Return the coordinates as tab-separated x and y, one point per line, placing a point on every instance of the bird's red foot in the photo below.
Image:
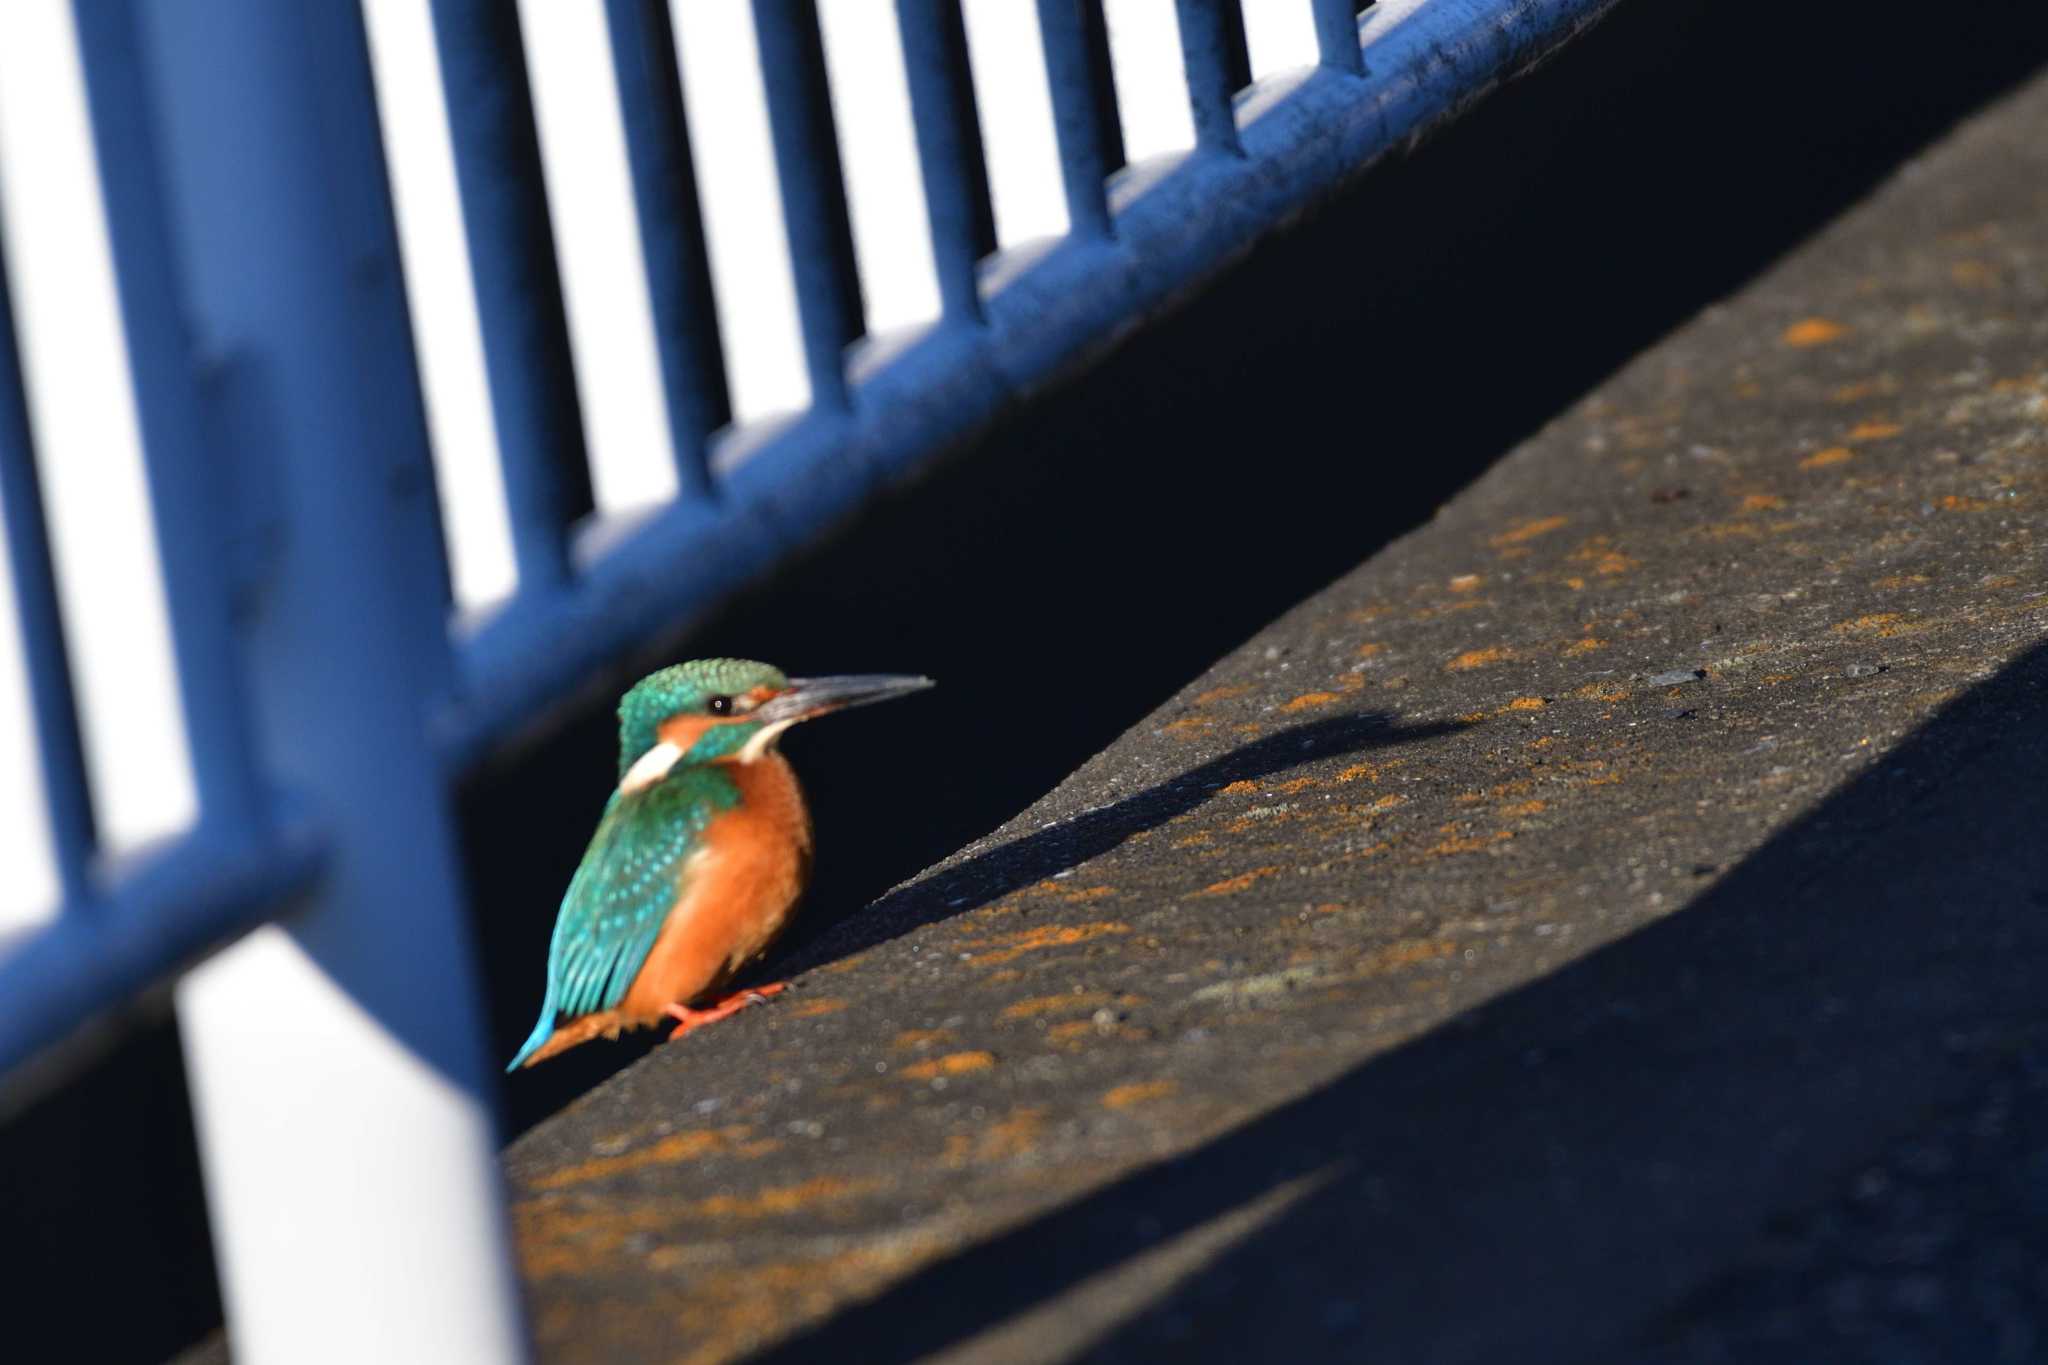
687	1018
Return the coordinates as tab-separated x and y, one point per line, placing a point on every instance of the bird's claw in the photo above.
687	1018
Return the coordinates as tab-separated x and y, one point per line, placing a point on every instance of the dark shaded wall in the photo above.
1082	563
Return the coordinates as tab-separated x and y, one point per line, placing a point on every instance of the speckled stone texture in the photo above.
1507	954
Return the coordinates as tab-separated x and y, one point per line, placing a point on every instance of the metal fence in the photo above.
301	297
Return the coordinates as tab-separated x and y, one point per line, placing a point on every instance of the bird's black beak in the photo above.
809	697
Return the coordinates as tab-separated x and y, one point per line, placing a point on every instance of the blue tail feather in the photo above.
542	1031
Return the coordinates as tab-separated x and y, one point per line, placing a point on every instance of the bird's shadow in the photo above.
960	887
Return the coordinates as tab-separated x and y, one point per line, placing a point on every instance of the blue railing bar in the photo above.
956	196
514	279
813	192
671	233
176	906
1073	302
1211	39
185	469
65	794
1090	142
1337	36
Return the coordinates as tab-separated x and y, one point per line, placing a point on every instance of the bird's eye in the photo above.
719	706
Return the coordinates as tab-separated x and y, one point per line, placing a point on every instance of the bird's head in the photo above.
730	711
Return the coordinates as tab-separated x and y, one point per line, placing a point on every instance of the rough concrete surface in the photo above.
1529	947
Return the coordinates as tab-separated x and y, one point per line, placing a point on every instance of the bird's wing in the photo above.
623	890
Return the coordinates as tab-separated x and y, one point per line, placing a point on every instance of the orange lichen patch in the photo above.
1773	679
1216	694
1033	1006
1308	700
1730	530
1003	1140
1881	624
1874	431
1299	784
1526	808
812	1009
1187	725
1466	582
677	1147
952	1064
1073	1031
845	964
1230	886
1480	658
920	1038
1585	646
1368	651
781	1199
1599	551
1820	459
1812	332
1239	788
1465	844
1527	530
1388	802
1952	503
1526	704
1367	615
1371	772
1864	388
1008	947
1900	580
1472	718
1407	953
2004	580
1602	692
1762	502
1138	1092
1195	840
555	1238
1544	742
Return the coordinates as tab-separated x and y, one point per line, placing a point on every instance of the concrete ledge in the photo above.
1481	958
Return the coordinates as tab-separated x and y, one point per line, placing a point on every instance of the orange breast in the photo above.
737	892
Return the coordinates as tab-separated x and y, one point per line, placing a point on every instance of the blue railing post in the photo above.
813	192
184	474
671	233
1337	36
58	741
1077	69
1211	37
948	150
341	1087
518	292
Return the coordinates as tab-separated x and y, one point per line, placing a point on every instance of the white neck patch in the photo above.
763	739
650	767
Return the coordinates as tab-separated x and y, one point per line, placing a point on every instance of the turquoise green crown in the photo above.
685	688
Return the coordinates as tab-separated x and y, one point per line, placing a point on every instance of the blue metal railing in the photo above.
262	300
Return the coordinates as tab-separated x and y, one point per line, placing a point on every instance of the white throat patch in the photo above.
650	768
763	738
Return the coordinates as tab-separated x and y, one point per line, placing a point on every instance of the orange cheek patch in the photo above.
684	731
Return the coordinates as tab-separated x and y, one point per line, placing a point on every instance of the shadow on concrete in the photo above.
1026	861
1538	1179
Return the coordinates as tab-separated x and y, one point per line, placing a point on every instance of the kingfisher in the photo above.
700	855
